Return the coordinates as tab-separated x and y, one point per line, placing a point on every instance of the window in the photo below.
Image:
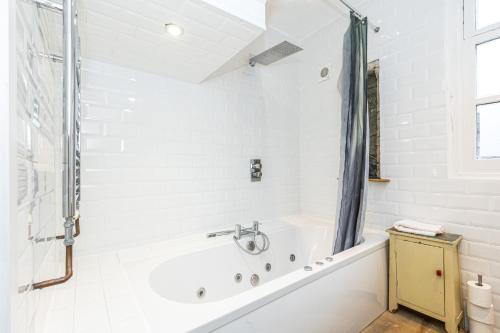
487	13
488	131
482	38
476	136
487	98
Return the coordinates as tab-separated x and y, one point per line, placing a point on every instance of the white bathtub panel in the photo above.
345	301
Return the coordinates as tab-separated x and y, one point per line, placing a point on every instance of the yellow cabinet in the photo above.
424	276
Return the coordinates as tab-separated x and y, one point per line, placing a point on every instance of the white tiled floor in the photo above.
96	300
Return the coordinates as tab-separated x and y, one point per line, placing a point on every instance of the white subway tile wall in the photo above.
319	120
162	158
412	48
414	91
38	113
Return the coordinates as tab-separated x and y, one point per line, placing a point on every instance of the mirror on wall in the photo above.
373	96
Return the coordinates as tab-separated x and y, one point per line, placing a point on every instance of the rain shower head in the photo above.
275	53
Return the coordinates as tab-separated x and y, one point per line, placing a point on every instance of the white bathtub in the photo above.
342	295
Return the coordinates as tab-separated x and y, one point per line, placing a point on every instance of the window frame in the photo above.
469	16
465	125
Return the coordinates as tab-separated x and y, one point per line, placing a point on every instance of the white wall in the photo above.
413	51
162	158
7	181
320	122
37	160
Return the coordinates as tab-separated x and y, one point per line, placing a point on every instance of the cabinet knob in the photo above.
439	272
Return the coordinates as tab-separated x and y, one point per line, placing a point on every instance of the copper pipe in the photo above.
67	275
77	229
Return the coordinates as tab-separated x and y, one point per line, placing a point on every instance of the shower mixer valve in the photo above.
255	170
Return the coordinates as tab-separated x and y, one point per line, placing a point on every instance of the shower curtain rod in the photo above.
376	28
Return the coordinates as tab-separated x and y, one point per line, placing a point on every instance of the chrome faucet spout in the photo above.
238	231
220	233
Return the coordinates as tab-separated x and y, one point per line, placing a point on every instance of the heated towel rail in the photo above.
71	130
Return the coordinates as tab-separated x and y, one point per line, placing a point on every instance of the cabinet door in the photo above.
419	274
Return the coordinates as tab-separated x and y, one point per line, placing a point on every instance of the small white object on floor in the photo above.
419	228
479	327
480	314
480	309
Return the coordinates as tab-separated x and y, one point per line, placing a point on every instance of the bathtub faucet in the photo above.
253	248
238	231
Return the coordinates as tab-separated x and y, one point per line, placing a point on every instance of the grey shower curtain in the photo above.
353	173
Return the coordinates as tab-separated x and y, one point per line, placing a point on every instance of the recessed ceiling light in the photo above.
174	30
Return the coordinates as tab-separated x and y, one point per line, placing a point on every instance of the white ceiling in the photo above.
300	18
292	20
132	33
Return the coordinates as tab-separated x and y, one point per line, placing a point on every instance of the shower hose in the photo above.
259	250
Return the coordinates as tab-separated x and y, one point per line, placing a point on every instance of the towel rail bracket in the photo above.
49	5
53	57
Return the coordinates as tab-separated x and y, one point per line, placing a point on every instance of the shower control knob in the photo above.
255	170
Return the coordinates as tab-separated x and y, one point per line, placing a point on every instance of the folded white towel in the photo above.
419	228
